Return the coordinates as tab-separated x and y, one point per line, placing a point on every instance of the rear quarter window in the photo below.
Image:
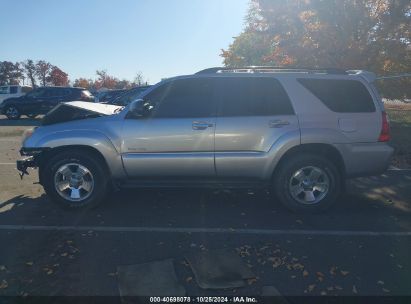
343	96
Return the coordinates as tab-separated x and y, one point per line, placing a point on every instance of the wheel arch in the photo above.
47	155
326	150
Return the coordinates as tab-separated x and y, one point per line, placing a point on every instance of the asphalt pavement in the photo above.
360	247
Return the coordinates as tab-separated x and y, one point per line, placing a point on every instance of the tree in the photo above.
43	69
10	73
138	80
347	34
123	84
104	80
57	77
29	69
83	83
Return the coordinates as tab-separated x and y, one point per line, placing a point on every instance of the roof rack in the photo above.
270	69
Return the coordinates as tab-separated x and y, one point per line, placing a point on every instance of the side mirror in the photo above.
140	108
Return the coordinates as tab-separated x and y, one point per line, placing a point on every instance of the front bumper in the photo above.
30	159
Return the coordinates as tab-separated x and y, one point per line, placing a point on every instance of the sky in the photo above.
160	38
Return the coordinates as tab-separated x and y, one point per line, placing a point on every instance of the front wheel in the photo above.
307	183
12	112
75	180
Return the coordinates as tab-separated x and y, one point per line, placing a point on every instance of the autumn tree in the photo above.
57	77
29	69
10	73
83	83
43	69
347	34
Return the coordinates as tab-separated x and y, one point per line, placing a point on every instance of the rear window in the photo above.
252	96
344	96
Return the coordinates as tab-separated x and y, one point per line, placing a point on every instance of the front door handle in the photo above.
201	125
278	123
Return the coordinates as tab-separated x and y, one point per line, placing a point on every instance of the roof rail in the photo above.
271	68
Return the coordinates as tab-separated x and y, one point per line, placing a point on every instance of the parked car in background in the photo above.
299	133
107	96
41	100
13	91
128	96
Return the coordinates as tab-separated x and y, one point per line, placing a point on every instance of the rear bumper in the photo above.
365	159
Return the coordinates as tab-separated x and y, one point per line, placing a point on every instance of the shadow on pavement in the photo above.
371	204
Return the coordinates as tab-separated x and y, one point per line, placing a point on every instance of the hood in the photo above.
76	110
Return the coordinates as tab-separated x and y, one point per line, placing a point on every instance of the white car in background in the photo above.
8	91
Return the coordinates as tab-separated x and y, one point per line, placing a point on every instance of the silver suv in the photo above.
298	132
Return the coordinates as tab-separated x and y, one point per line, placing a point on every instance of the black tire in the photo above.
291	165
83	158
32	116
12	112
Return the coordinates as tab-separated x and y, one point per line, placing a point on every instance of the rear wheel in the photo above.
75	180
12	112
307	183
32	116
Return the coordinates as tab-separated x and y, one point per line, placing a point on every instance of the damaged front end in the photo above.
31	159
62	113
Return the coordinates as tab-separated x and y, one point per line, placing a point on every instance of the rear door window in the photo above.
252	96
344	96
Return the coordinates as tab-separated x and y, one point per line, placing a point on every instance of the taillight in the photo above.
385	129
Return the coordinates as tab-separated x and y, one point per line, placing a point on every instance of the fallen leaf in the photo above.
331	288
251	281
399	266
354	289
305	273
338	287
69	242
344	273
392	255
189	279
333	270
299	222
293	276
4	284
380	282
298	266
2	268
311	287
323	293
112	274
320	279
386	290
64	254
50	271
320	274
29	263
185	263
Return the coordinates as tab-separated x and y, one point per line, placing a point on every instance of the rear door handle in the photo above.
201	125
278	123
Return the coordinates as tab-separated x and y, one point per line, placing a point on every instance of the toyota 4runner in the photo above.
298	132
